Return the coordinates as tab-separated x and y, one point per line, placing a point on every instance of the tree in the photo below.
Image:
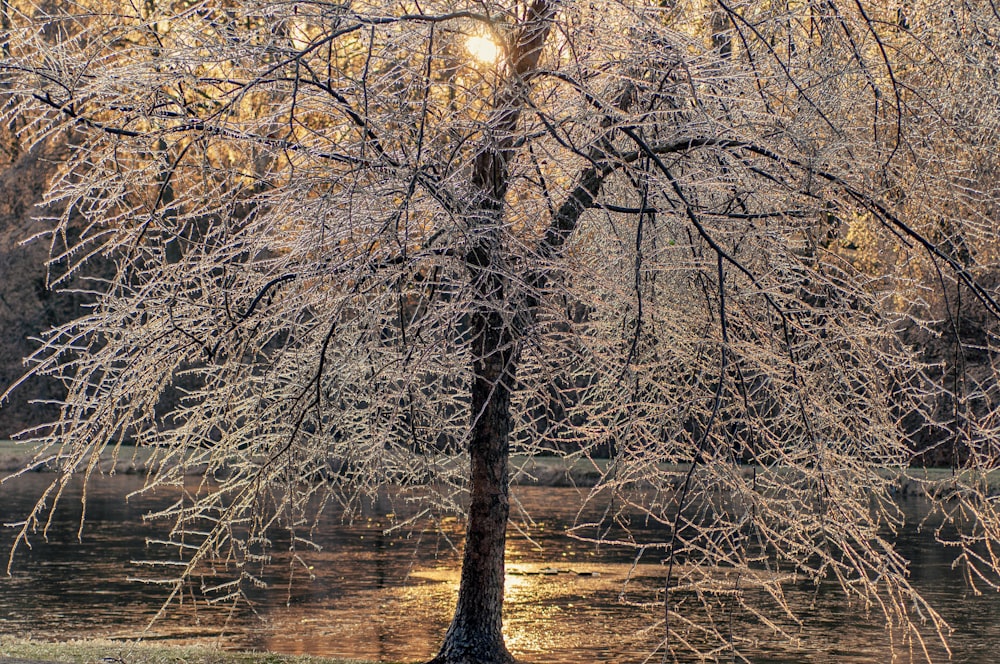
359	245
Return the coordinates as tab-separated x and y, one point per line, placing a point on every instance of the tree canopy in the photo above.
345	246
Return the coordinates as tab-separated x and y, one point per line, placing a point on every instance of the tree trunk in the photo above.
475	635
476	632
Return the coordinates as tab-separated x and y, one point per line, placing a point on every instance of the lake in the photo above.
370	595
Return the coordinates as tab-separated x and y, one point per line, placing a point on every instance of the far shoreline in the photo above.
547	471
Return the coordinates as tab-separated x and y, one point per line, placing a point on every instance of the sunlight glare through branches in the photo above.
483	49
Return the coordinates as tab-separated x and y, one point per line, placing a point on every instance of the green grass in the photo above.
14	456
10	447
102	651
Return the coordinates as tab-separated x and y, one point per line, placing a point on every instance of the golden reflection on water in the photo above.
545	608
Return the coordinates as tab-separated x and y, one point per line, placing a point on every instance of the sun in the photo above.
483	49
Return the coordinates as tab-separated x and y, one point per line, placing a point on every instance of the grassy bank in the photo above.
534	471
543	471
102	651
14	456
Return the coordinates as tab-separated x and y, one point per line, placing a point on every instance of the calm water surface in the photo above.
375	596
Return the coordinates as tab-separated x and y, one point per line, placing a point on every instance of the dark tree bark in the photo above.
476	632
475	635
